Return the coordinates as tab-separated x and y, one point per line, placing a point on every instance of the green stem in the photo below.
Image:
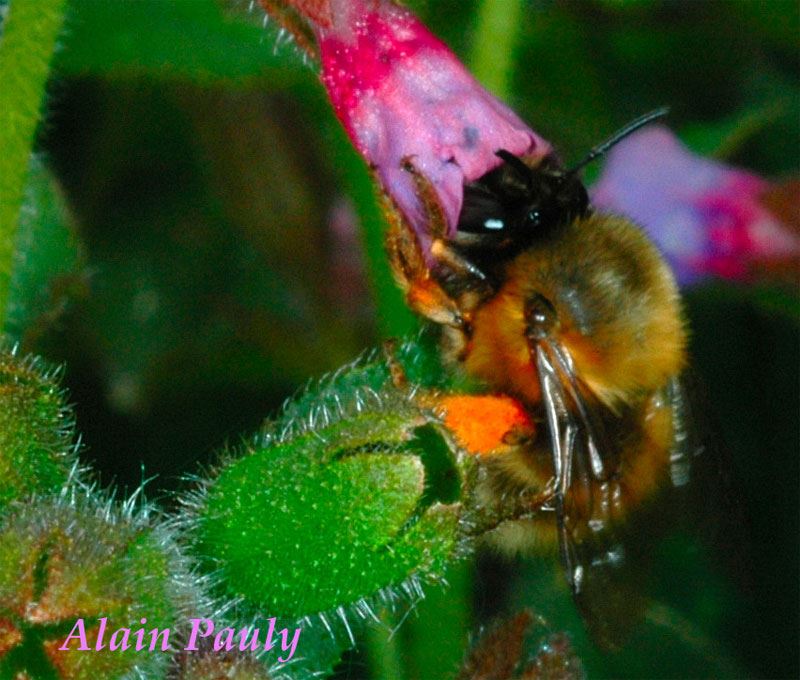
695	639
382	649
394	317
496	35
26	47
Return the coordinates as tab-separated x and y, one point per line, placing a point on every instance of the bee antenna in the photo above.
618	136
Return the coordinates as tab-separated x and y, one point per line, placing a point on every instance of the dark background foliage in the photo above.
230	247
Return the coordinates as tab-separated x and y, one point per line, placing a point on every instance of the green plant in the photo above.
167	232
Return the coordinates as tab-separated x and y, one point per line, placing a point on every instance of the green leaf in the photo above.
348	500
189	40
325	519
64	561
46	259
26	45
36	430
725	137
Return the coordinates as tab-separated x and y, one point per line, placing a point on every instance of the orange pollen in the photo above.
484	424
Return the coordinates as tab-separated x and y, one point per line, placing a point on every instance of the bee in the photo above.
573	314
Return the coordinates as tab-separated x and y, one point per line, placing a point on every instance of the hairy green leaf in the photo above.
325	519
46	259
28	39
65	566
36	430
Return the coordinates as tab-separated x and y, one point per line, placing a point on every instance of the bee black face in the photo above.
515	201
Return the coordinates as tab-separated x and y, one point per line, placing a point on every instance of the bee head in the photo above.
516	201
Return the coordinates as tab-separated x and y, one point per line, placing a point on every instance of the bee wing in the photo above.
586	503
691	438
701	472
608	562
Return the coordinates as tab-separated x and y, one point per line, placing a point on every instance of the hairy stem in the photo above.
26	47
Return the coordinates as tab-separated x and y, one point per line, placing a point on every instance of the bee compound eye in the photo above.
540	317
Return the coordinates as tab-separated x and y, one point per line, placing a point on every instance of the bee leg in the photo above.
437	225
437	220
525	506
413	274
455	261
422	292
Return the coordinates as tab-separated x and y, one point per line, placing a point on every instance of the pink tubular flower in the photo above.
403	96
709	219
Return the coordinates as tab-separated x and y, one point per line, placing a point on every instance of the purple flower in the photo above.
403	96
708	218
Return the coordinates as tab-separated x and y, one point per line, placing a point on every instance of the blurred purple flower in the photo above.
402	95
708	218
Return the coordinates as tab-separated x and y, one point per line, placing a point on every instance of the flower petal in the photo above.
402	95
708	218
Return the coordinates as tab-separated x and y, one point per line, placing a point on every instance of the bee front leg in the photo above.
413	274
440	249
455	261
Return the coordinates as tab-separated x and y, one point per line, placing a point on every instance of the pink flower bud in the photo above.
402	95
708	218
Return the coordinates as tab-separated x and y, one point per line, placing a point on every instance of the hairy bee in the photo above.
575	315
